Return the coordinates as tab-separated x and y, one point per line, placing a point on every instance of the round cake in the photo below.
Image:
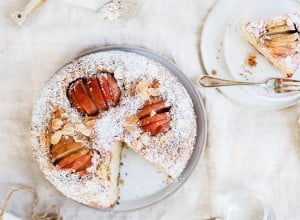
100	102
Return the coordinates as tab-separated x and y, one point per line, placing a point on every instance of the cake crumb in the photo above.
251	60
246	74
214	72
121	182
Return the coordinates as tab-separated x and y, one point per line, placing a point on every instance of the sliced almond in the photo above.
145	138
44	139
154	84
68	129
64	115
57	113
79	138
56	124
132	121
89	118
102	172
119	73
130	128
137	145
55	138
73	74
162	139
142	89
152	113
90	124
154	91
83	130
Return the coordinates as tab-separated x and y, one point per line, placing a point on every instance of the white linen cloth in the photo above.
88	4
8	216
248	149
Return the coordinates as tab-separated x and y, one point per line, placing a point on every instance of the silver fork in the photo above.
276	85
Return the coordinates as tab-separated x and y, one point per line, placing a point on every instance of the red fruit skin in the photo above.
78	164
71	158
73	100
84	99
68	168
96	93
154	126
105	89
146	110
66	148
161	129
61	143
93	94
114	90
157	117
83	170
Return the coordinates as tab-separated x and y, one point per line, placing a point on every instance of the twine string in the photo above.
47	215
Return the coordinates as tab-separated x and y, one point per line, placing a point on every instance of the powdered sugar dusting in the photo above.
169	152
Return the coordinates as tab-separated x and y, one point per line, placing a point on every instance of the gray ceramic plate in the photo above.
140	188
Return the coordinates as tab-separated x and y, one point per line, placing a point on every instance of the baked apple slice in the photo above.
79	163
150	107
74	102
105	89
71	158
152	128
66	150
155	118
161	129
64	140
96	93
115	92
83	170
83	98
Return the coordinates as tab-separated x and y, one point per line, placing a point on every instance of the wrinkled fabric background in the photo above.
248	149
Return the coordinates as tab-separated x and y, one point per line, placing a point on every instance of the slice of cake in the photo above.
70	161
278	39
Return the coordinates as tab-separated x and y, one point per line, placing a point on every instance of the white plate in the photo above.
224	50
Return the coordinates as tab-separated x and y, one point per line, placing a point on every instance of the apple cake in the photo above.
96	104
278	39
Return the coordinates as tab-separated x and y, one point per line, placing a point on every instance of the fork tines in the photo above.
286	85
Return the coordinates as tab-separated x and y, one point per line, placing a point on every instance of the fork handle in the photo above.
209	81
